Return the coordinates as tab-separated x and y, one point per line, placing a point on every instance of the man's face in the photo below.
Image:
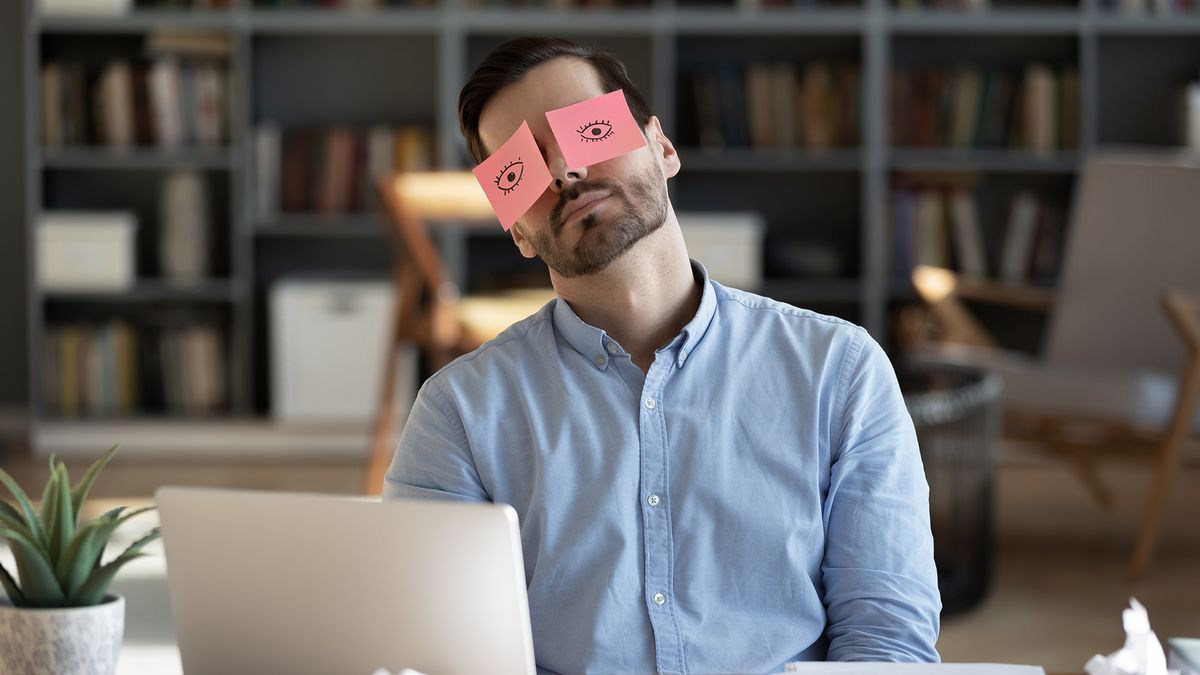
589	216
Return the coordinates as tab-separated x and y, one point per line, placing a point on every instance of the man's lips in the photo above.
582	201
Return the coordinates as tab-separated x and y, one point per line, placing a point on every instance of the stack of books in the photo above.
775	106
179	96
972	107
113	369
332	171
942	227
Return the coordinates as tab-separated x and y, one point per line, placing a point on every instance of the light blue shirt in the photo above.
755	498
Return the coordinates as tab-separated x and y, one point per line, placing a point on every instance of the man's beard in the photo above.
643	210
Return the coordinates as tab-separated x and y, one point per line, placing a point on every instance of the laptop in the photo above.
272	582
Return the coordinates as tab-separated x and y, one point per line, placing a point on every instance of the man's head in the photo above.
589	216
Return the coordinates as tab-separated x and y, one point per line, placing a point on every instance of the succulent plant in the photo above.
57	556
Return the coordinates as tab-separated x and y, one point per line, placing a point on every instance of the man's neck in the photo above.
641	300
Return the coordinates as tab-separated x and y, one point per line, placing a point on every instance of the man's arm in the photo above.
881	593
433	459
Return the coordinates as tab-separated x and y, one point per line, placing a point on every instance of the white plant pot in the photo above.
61	641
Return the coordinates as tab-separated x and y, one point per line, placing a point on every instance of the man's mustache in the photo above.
573	192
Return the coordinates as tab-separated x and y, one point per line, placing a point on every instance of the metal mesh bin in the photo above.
956	412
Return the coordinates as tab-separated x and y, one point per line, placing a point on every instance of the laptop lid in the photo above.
270	582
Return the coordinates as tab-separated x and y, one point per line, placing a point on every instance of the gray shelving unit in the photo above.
321	67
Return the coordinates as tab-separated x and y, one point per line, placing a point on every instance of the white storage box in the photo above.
728	244
83	7
328	341
86	250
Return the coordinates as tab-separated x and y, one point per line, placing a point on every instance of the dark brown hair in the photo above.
509	62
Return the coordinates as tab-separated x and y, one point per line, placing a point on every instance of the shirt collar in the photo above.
594	344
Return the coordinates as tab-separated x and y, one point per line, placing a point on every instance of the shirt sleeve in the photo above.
433	459
881	593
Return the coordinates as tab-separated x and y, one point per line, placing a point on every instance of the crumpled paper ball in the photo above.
1142	653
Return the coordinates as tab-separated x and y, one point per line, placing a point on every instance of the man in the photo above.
707	480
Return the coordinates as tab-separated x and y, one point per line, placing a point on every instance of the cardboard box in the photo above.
86	251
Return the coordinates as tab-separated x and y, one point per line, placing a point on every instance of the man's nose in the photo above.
563	176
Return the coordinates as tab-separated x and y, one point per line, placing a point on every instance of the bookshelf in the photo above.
828	212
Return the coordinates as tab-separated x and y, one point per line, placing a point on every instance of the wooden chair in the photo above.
1119	372
429	311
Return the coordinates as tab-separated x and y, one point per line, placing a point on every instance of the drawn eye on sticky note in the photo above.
597	129
514	176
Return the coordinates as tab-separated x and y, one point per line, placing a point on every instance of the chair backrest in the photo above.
415	201
1134	233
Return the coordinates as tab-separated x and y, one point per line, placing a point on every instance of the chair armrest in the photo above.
1183	309
936	283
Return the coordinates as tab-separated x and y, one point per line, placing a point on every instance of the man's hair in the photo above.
509	62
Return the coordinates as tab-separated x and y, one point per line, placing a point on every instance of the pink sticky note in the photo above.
596	129
514	176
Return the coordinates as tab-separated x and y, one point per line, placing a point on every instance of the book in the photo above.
931	245
267	143
783	104
334	170
114	105
209	105
52	85
968	234
1040	109
1019	237
903	217
818	119
165	101
966	87
758	100
90	369
1068	108
380	159
184	228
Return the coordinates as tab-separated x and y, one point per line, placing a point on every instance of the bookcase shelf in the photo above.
755	161
357	225
138	158
150	291
315	69
999	21
325	22
139	20
982	159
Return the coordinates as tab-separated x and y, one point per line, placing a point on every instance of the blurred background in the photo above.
195	261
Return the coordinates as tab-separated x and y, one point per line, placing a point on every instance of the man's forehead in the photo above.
548	86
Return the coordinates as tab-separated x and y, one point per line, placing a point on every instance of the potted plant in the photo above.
58	616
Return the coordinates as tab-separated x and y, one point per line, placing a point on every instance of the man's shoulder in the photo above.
513	346
738	305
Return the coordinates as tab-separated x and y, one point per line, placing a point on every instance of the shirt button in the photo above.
600	359
652	500
660	599
650	404
612	348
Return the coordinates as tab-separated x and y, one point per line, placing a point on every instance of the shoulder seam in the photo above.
467	358
795	312
849	365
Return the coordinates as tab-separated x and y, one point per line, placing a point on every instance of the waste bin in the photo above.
956	412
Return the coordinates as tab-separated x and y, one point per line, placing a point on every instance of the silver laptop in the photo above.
269	582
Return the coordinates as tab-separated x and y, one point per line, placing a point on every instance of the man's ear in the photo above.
522	242
664	149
